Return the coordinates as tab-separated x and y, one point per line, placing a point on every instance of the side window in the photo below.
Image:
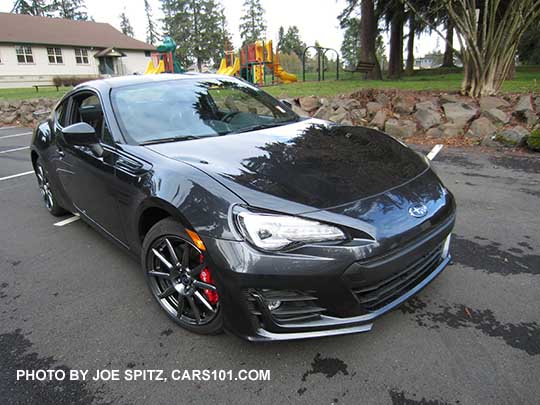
87	108
60	114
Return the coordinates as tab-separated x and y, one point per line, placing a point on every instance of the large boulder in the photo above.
451	129
427	118
358	114
310	103
8	118
449	98
373	107
459	113
426	105
496	116
339	115
481	128
404	104
488	103
537	104
400	129
351	104
530	118
324	112
512	136
382	99
379	119
435	133
523	105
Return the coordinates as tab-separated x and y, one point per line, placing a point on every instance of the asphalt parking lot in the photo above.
71	300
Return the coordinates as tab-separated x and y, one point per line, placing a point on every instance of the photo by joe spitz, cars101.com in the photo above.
245	216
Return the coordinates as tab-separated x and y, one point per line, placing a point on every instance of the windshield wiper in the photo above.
171	139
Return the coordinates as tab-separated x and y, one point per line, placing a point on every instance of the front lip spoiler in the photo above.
342	326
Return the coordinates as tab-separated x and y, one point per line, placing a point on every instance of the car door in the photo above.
89	177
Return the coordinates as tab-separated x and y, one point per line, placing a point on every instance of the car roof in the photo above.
121	81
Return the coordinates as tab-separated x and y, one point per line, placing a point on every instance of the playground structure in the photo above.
321	59
164	60
253	62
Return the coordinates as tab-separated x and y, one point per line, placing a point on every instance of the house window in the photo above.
55	55
147	54
81	56
24	54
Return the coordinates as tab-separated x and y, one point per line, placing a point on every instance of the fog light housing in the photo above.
446	247
273	304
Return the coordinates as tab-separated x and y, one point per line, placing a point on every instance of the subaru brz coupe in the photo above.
245	216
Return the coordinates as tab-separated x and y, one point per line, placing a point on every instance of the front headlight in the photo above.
275	232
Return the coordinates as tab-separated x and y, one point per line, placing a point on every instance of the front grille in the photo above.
296	306
376	296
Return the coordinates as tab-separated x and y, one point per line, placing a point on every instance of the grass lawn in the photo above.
527	80
29	92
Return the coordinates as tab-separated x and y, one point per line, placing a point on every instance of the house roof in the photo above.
22	28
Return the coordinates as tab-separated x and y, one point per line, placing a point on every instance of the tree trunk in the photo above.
448	59
368	38
395	64
410	45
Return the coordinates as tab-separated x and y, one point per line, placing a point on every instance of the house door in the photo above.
107	65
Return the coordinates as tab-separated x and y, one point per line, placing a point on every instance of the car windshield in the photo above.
193	108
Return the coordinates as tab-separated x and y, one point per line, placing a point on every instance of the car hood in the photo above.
302	166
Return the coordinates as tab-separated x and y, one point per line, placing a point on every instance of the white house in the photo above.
35	50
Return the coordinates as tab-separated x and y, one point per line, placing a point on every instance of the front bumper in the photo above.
319	295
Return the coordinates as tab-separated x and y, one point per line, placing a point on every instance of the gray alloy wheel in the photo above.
175	270
46	191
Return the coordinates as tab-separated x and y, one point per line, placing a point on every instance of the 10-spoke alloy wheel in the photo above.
46	191
179	278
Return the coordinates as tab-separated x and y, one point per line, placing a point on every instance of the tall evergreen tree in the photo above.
167	7
70	9
291	42
349	47
151	30
196	26
125	25
252	22
32	7
281	37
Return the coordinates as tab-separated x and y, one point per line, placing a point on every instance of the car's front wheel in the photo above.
179	278
46	191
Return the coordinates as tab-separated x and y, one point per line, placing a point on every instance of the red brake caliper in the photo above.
207	278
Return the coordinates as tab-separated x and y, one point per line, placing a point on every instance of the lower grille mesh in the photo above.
378	295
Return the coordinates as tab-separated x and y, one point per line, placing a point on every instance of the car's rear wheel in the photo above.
179	278
46	191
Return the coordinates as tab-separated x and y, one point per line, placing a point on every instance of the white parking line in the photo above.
16	175
14	150
14	135
436	149
68	221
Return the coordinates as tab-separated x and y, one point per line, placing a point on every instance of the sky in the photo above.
316	19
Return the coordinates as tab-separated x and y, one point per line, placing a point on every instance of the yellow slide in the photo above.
285	76
229	70
281	73
154	70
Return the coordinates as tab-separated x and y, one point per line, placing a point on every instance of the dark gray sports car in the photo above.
244	215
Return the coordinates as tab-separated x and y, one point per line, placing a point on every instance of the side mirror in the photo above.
82	134
287	103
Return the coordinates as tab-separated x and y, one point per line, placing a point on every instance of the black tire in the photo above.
47	192
182	296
